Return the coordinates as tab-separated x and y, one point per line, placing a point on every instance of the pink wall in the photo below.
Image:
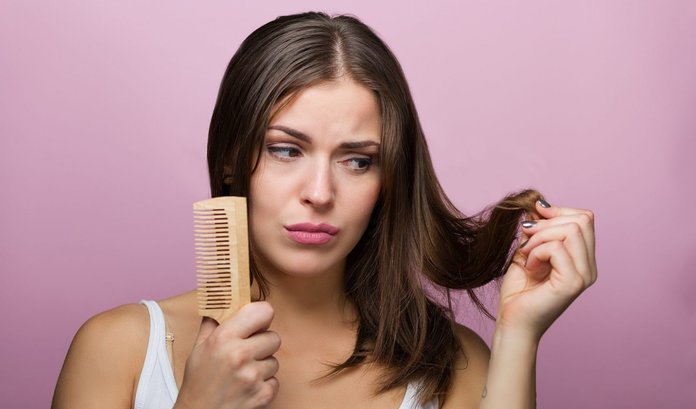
104	108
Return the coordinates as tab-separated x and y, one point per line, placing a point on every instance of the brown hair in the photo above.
414	230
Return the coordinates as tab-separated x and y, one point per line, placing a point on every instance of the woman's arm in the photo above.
493	379
104	360
549	271
552	268
511	378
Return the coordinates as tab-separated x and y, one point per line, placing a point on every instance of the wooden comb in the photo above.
222	256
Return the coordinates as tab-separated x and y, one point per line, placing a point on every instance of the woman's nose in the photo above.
318	189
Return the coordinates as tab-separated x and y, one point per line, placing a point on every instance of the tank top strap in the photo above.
157	368
411	398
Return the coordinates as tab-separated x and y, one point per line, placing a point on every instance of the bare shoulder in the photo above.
474	347
129	316
125	328
471	369
104	360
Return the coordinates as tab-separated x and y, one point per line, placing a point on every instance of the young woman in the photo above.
314	123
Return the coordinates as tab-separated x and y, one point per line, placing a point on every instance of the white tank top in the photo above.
157	388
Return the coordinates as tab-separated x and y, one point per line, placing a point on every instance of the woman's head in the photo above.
282	57
293	53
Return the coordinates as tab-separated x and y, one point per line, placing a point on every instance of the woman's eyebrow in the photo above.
359	144
307	139
292	132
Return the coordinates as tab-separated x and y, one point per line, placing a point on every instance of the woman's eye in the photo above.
283	152
359	164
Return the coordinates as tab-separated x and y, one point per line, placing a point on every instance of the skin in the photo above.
269	354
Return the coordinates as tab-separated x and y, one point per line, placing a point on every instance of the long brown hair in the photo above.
414	230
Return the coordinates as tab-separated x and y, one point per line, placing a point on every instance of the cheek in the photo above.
262	182
261	205
365	201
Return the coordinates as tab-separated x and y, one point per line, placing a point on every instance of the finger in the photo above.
553	260
549	211
519	258
265	344
273	385
523	237
208	325
584	219
250	319
273	382
537	269
571	235
265	394
268	367
531	227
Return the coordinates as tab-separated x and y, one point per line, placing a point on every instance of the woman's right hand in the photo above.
232	364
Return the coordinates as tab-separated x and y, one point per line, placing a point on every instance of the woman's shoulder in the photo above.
108	351
474	346
103	359
125	326
117	321
129	324
470	370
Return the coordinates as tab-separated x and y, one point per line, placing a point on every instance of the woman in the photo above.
314	123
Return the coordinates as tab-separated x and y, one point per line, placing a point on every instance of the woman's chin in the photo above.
302	267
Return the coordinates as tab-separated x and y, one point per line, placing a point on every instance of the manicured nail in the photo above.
525	243
544	203
529	223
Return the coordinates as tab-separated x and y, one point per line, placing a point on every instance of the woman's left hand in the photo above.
550	270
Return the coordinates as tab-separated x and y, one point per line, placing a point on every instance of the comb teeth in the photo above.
222	260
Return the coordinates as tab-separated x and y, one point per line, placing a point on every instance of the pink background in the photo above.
104	109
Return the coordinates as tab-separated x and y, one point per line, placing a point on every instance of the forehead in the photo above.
343	107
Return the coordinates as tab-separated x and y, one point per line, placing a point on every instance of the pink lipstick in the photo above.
308	233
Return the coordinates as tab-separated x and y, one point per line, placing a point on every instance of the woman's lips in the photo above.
309	233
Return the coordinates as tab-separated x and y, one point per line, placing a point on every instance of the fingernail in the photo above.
529	223
525	243
544	203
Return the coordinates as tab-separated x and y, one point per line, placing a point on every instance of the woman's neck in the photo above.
308	301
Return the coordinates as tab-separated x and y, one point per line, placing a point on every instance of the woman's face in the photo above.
317	181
